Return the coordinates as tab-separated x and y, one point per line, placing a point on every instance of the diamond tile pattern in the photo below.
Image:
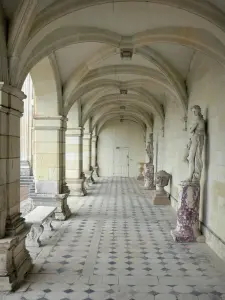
118	246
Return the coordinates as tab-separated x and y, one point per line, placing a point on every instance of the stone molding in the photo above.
50	123
87	136
73	132
12	90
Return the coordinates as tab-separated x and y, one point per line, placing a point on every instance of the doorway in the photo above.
121	162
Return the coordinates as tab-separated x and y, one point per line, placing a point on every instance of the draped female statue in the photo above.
195	146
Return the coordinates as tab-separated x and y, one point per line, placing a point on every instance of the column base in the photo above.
160	199
96	173
15	261
187	229
76	187
59	201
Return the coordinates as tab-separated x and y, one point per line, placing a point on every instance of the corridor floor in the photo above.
118	246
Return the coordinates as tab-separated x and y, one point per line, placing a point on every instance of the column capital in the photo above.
50	123
76	131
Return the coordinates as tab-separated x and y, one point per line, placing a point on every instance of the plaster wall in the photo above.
206	85
117	134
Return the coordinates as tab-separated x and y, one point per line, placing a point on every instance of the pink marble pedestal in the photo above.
187	229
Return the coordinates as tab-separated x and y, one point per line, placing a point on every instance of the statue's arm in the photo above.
193	127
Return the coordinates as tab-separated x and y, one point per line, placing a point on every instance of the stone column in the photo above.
94	161
74	161
49	164
15	260
87	151
26	129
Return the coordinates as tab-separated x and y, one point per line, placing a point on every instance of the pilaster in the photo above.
87	151
15	260
74	161
49	164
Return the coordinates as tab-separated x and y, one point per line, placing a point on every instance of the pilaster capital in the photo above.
76	131
87	135
11	99
94	138
50	123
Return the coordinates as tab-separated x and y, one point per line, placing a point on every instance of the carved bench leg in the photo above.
35	234
49	223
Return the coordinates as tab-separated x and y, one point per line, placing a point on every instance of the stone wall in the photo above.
206	87
116	134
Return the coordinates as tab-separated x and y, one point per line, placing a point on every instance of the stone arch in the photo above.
46	86
136	100
109	83
105	112
113	117
198	39
3	50
149	73
176	84
204	10
19	31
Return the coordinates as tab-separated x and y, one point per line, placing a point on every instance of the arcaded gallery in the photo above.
112	150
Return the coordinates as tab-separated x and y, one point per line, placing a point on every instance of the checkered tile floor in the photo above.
117	246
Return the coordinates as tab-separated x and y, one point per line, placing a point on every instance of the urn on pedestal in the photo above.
141	170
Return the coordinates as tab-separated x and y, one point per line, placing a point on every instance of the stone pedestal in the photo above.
187	229
15	260
149	177
77	187
161	198
59	201
141	170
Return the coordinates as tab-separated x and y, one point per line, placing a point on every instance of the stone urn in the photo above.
141	170
161	180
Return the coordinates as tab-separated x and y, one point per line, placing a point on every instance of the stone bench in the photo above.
37	217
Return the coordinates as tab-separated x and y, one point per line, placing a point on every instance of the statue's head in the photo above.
196	109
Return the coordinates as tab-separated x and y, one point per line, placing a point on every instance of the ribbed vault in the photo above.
83	41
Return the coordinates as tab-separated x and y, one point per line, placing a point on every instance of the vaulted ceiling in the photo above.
85	39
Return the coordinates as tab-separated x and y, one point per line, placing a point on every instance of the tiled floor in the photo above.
118	246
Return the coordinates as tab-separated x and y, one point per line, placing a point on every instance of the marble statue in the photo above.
149	148
195	146
149	167
187	227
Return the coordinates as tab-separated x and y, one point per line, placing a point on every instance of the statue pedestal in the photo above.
161	198
149	177
187	229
